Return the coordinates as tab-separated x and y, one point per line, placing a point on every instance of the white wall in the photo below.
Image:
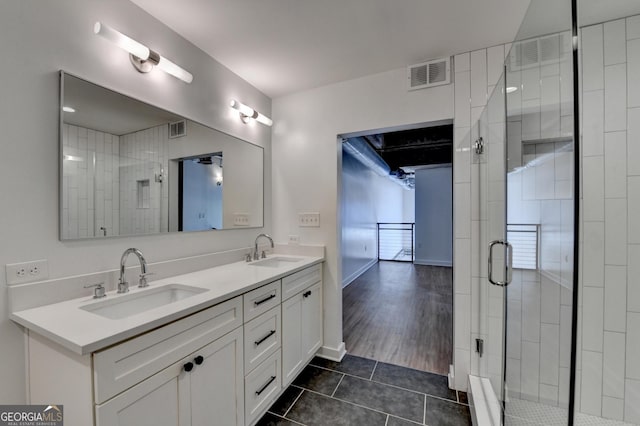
434	214
306	160
609	314
37	39
367	198
409	206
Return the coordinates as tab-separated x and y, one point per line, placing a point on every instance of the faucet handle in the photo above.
142	283
98	291
263	255
247	258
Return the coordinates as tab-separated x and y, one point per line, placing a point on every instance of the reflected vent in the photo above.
536	52
177	129
429	74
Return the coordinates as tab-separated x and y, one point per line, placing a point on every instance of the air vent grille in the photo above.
177	129
429	74
419	76
537	52
437	72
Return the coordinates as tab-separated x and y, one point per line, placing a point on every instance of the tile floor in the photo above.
360	391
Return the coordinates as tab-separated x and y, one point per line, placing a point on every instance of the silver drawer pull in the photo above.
266	299
266	385
258	342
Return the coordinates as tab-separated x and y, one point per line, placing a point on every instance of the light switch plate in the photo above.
27	272
241	219
309	220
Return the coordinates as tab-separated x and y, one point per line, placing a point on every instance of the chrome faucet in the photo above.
123	286
255	251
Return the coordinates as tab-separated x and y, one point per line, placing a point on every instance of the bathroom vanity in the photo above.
216	346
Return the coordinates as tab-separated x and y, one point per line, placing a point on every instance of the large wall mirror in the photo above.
129	168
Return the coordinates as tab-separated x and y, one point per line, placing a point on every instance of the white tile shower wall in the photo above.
143	156
476	73
90	183
539	185
609	343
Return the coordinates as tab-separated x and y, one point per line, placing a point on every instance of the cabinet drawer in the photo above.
260	300
122	366
261	387
261	338
297	282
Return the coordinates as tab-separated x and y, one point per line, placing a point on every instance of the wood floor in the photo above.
401	314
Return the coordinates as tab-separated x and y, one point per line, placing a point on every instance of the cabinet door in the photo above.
216	385
153	402
311	321
291	338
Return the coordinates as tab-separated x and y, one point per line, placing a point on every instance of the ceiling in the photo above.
414	147
101	109
285	46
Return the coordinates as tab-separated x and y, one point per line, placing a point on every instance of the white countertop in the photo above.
84	332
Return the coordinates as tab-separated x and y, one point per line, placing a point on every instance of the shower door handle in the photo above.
508	267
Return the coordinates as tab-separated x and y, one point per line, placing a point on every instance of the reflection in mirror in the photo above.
200	193
129	168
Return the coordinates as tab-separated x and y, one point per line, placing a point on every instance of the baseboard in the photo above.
351	278
428	262
333	354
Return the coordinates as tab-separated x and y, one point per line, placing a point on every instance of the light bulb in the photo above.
244	110
173	69
264	120
122	41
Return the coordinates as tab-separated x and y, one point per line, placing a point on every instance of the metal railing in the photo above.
525	239
396	241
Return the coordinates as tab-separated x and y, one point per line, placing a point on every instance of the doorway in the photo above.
396	240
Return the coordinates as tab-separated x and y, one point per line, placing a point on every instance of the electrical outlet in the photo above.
309	220
294	239
26	272
241	219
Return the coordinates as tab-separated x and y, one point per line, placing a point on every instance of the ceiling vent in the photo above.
429	74
536	52
177	129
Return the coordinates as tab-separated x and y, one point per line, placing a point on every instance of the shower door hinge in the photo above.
480	346
478	146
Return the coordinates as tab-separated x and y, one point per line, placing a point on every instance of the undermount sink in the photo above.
274	262
138	302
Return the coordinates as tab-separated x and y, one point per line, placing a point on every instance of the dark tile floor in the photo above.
360	391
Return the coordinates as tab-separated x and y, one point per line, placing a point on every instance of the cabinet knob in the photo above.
199	359
306	293
188	366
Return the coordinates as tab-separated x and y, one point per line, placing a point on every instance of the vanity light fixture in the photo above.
142	58
247	113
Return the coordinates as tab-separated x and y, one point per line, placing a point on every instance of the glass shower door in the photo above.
524	181
539	173
489	166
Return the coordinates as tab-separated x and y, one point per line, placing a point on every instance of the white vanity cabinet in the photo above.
301	320
184	373
262	356
204	388
224	365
